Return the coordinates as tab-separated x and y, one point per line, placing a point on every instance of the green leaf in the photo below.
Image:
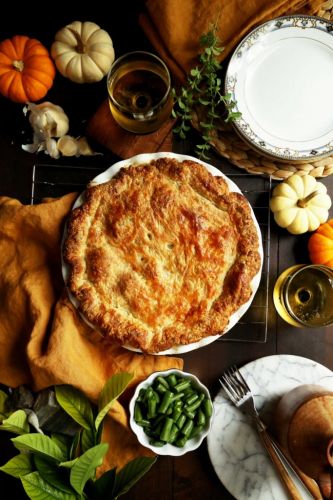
131	473
54	476
62	441
41	444
204	102
76	404
16	423
85	467
69	463
88	439
18	466
103	487
38	489
3	402
111	391
75	446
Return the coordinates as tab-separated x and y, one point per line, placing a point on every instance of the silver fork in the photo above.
241	396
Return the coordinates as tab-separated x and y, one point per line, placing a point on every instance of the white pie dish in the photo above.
146	158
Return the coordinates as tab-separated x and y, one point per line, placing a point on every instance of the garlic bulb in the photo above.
48	119
49	122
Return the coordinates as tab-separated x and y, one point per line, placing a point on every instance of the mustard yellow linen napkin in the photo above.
43	340
174	27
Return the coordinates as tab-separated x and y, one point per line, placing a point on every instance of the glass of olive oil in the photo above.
303	295
139	90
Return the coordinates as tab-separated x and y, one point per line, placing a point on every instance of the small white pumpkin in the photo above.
300	204
83	52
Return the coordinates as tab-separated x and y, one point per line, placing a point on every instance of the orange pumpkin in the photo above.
321	245
26	69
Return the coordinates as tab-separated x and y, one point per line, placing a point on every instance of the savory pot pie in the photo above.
161	255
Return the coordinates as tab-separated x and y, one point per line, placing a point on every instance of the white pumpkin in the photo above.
300	204
83	52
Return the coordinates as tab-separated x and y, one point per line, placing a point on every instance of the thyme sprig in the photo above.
203	87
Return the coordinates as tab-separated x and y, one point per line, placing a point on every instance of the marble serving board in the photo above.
234	447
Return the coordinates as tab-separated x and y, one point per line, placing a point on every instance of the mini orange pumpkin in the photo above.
26	69
321	245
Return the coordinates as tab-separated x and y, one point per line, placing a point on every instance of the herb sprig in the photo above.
204	87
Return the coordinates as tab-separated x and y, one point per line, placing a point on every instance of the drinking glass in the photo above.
139	91
303	295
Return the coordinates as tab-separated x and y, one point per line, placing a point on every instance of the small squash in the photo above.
300	204
26	69
321	245
83	52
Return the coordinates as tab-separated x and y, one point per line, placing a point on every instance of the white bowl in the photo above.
169	449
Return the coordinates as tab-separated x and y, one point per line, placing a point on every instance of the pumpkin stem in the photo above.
304	201
80	47
18	65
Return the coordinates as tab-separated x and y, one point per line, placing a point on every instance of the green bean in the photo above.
192	398
163	381
194	406
172	379
158	444
169	410
156	396
158	428
181	386
207	407
178	403
176	413
160	388
158	420
181	421
165	434
151	407
167	398
149	393
201	419
144	423
173	433
190	414
196	431
181	442
137	413
177	397
187	428
141	396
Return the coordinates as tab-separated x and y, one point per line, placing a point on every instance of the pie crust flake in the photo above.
161	255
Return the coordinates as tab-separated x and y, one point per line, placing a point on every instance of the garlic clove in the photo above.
51	148
84	148
67	145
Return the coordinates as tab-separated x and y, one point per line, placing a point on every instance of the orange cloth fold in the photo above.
174	28
43	339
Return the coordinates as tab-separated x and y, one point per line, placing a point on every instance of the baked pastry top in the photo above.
162	254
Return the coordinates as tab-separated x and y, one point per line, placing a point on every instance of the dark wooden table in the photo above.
191	476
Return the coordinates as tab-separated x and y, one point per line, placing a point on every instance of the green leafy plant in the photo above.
60	466
204	87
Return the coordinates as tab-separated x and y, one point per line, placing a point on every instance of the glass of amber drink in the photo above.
303	295
139	91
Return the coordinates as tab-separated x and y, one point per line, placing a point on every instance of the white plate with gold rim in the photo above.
281	78
146	158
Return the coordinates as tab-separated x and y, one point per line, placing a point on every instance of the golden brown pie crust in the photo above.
162	254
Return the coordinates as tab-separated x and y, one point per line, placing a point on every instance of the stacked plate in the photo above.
281	78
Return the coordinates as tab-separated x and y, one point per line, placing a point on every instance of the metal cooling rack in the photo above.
50	180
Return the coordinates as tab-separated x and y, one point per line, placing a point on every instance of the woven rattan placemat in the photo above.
229	145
